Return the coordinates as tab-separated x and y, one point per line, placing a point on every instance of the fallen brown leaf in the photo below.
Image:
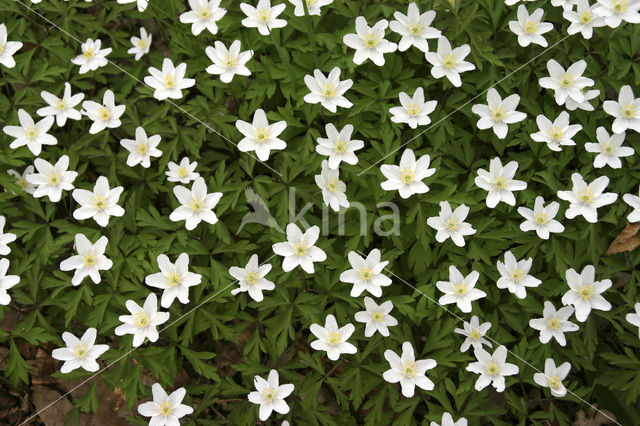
628	240
596	418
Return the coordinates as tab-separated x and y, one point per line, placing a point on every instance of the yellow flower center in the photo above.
252	278
61	104
262	134
88	52
80	350
531	27
413	109
452	224
566	81
300	249
475	334
556	133
141	43
170	81
365	274
415	28
1	48
31	132
143	148
268	394
406	175
53	178
517	275
264	15
498	114
197	205
461	288
104	114
230	61
586	195
500	183
621	6
628	111
141	319
99	202
586	17
334	339
340	147
371	41
22	183
377	316
172	279
329	90
492	368
311	2
586	291
333	185
450	61
182	172
166	408
541	218
608	147
204	13
554	323
409	369
555	382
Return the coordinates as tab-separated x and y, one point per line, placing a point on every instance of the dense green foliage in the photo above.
228	339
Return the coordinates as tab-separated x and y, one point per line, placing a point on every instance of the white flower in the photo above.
270	395
572	105
333	189
165	410
407	177
183	173
332	339
252	279
174	279
474	333
141	45
415	28
609	149
514	275
569	84
92	56
492	368
168	82
512	2
196	206
528	28
263	16
62	108
634	319
79	353
585	199
366	274
51	179
408	371
6	281
98	204
142	6
616	11
143	320
585	293
634	203
460	290
228	62
299	249
565	4
553	376
626	111
29	133
5	238
541	218
260	136
328	91
554	323
105	115
313	6
451	224
556	134
203	14
339	146
369	42
584	20
499	182
413	111
376	317
447	418
21	179
142	149
88	261
7	48
498	113
448	62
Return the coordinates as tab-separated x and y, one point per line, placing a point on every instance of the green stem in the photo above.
312	32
